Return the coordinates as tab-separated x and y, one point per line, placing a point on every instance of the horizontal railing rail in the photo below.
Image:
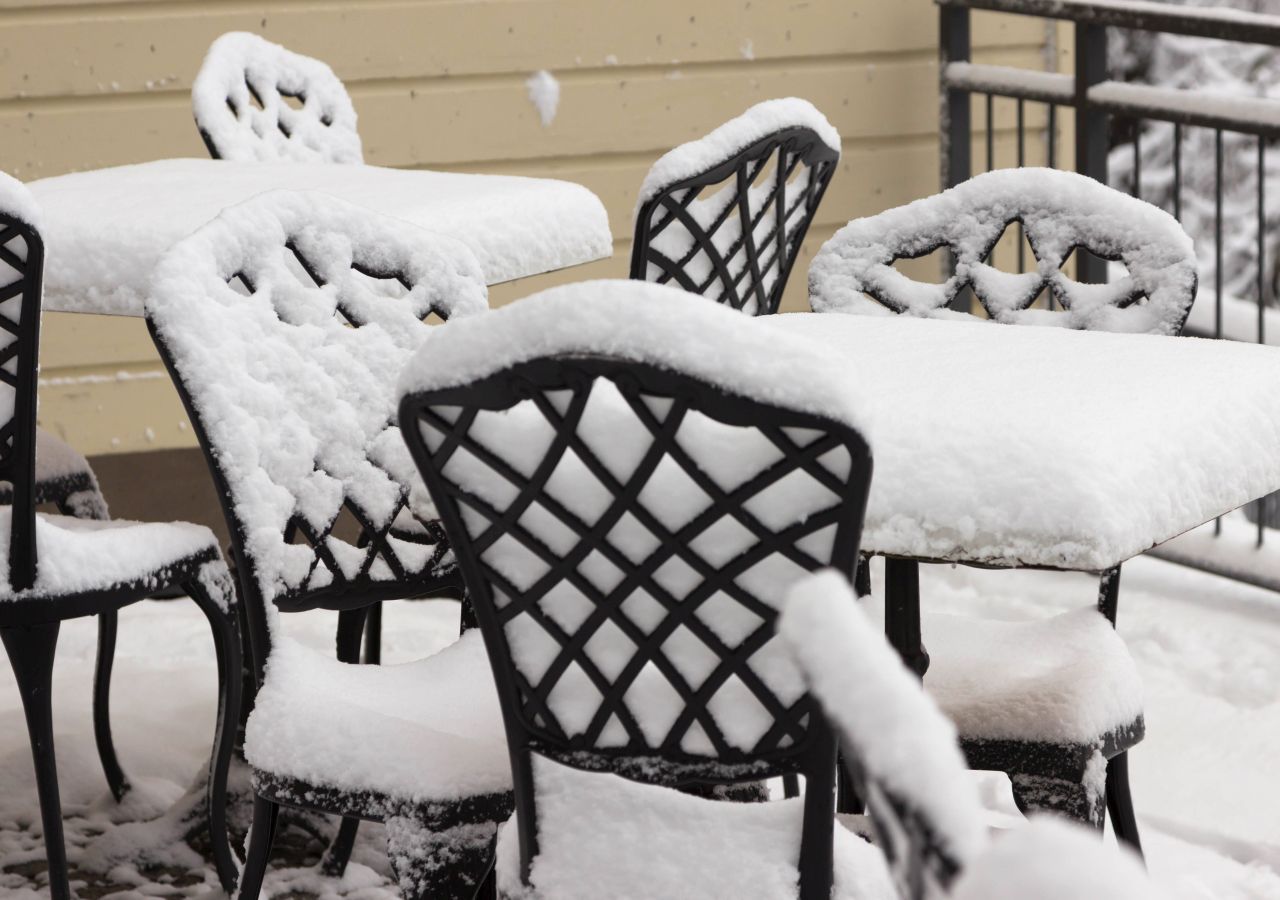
1110	114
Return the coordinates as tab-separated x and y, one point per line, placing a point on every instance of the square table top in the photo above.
1025	446
105	229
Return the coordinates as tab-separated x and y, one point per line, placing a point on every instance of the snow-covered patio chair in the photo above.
631	482
724	216
901	753
58	567
1059	212
1051	702
255	101
284	323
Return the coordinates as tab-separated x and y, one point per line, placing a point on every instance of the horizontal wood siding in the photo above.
440	84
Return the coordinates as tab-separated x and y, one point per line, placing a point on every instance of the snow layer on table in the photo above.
1065	679
603	836
297	406
1059	210
713	343
756	123
1041	446
105	230
16	201
884	720
1050	859
420	731
239	101
78	555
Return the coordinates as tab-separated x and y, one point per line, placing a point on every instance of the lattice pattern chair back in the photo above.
724	216
255	101
284	323
899	750
1059	212
21	276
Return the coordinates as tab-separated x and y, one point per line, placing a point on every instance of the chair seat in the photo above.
56	459
600	835
420	732
1068	679
61	473
78	556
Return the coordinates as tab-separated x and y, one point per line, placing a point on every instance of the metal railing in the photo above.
1104	110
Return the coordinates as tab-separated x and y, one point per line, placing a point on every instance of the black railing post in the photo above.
1092	128
956	113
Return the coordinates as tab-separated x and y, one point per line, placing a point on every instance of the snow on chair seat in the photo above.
724	216
1059	212
604	836
255	101
285	322
629	506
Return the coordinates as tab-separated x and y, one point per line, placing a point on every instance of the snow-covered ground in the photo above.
1205	783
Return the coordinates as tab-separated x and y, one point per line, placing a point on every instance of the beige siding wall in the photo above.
440	84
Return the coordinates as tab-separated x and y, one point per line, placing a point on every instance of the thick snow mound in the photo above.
737	134
603	836
1127	440
1059	211
646	323
100	261
295	403
241	96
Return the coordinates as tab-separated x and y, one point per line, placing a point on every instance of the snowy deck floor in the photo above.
1204	779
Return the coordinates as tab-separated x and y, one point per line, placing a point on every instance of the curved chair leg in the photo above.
791	786
1120	803
215	596
116	779
338	854
261	835
31	650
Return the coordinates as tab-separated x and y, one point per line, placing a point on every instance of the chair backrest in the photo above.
899	749
724	216
255	101
21	276
628	514
284	323
1059	212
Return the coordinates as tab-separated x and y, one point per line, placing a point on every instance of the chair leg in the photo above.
338	854
351	628
431	864
373	636
1041	793
215	595
1120	802
116	779
31	649
791	786
261	835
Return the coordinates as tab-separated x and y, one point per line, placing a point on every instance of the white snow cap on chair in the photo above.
646	323
881	714
239	59
758	122
16	201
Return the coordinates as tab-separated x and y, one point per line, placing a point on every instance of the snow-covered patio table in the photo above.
104	230
1046	447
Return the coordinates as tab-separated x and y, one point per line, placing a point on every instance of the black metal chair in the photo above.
1059	212
627	523
255	101
284	323
112	564
900	751
724	216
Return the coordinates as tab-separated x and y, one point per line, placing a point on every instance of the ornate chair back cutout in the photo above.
1059	213
21	276
626	534
284	324
732	233
255	101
